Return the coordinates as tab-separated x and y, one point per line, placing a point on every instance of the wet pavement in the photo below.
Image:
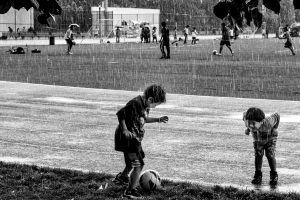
203	142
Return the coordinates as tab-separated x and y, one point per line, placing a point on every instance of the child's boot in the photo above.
121	180
273	178
257	179
132	194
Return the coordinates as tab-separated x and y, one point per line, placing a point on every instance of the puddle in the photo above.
16	159
294	172
290	188
66	100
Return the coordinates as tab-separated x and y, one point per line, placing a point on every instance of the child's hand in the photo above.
128	134
163	119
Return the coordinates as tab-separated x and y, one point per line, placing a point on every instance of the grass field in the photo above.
261	68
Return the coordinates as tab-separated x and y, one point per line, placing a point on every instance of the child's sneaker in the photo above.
257	179
273	178
122	180
132	194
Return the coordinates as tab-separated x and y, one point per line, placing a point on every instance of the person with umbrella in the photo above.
69	38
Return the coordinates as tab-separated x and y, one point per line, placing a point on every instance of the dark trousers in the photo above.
154	38
185	38
70	44
162	48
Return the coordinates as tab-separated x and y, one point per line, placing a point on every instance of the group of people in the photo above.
146	34
19	33
227	36
165	39
130	133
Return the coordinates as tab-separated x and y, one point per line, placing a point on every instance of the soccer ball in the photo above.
214	52
150	180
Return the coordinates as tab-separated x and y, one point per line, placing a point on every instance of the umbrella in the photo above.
76	25
295	25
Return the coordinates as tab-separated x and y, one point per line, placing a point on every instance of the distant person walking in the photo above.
186	33
267	32
288	44
22	33
194	35
142	35
165	41
118	35
69	39
225	39
10	32
17	33
175	33
154	34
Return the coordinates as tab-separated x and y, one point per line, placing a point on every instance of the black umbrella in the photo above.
296	4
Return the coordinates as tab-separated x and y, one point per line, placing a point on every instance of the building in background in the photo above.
105	21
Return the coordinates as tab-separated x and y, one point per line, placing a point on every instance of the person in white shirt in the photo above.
194	35
186	33
69	39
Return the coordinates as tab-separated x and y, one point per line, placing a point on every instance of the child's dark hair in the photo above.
156	92
163	24
255	114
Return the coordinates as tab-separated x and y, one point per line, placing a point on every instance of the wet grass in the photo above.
33	182
259	69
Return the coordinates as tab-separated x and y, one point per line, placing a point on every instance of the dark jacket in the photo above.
134	113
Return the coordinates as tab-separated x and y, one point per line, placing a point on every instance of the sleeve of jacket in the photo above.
272	122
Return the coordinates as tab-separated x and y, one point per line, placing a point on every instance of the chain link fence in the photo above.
103	24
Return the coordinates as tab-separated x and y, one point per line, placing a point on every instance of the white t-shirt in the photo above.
231	32
68	34
186	31
194	33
